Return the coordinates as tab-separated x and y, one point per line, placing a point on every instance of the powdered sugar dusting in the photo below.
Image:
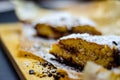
64	19
105	39
40	47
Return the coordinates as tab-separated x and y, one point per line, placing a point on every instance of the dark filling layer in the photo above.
117	57
81	68
68	63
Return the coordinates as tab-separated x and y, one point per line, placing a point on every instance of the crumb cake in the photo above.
80	48
93	71
58	25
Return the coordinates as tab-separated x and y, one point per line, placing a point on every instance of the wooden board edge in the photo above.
7	52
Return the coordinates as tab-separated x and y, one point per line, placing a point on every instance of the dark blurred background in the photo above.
7	15
7	72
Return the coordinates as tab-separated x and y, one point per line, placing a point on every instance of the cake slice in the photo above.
80	48
58	25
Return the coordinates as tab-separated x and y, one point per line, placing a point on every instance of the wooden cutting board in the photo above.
10	38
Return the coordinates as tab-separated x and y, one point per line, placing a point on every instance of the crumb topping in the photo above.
110	40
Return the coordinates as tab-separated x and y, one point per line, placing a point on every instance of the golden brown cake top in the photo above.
64	19
110	40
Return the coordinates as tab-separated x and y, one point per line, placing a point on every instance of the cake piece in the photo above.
58	25
93	71
80	48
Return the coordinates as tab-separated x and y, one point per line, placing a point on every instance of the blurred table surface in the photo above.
7	71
